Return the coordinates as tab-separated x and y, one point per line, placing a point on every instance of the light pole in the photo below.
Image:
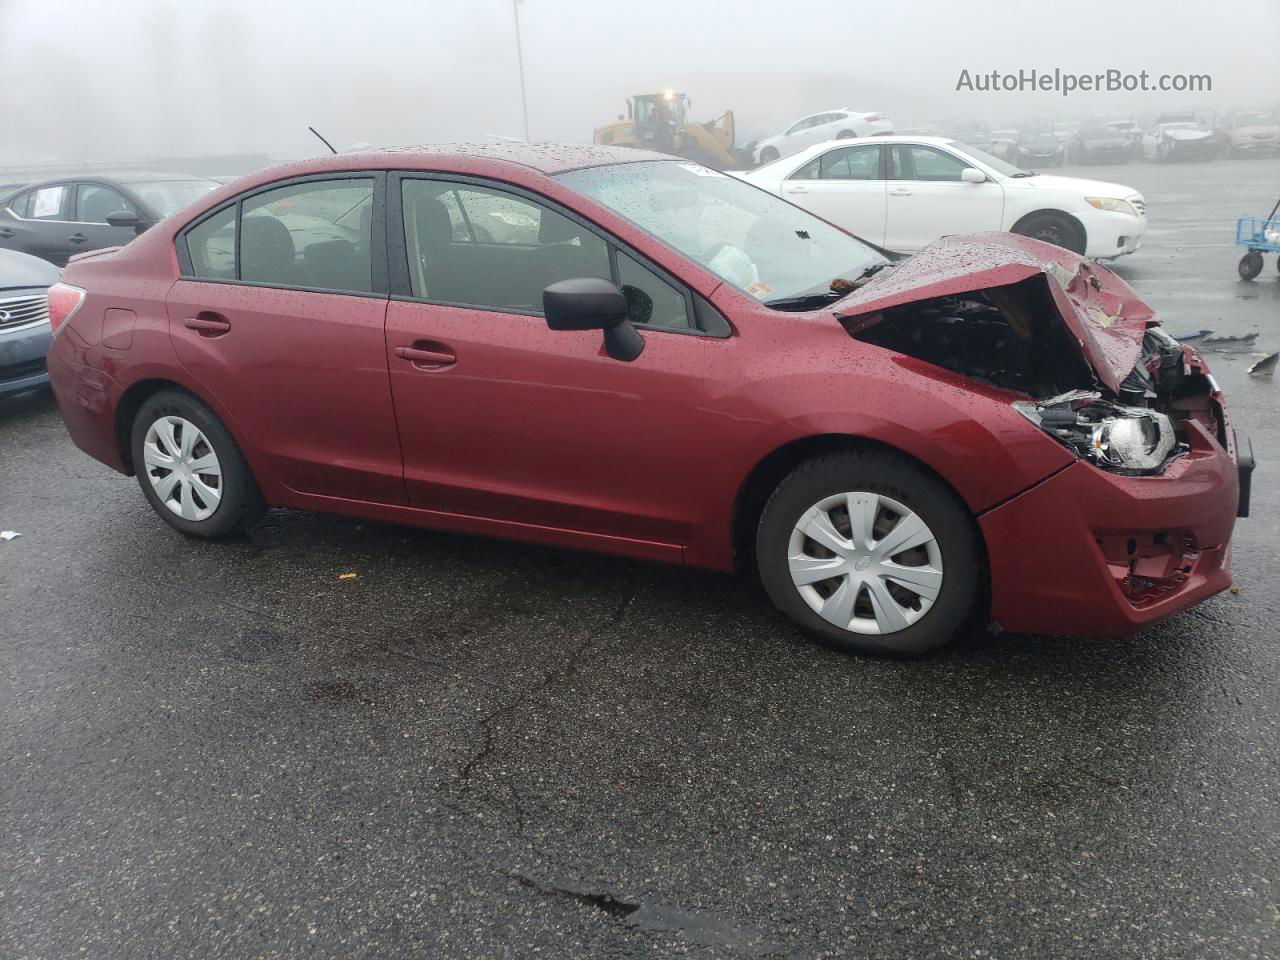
524	101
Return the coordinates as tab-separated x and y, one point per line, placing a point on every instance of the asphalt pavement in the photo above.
480	749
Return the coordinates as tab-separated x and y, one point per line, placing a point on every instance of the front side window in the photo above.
95	201
316	234
912	162
512	247
845	163
653	301
746	236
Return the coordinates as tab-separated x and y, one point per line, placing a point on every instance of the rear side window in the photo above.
49	203
21	204
846	163
309	235
211	246
316	234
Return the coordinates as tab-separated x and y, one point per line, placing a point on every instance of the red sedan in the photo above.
615	350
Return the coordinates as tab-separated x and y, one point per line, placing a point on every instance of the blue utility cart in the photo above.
1260	235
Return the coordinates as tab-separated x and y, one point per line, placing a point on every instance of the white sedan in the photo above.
818	128
905	192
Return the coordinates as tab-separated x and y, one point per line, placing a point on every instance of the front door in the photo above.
501	417
928	199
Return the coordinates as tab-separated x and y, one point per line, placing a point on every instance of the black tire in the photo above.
240	504
1053	228
845	135
1250	265
768	155
889	475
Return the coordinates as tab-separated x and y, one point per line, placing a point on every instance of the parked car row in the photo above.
1172	136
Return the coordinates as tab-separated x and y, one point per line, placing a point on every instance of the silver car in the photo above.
24	320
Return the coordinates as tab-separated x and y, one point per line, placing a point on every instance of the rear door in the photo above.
845	185
504	419
38	222
927	198
280	314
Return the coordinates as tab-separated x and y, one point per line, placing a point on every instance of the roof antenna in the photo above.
322	139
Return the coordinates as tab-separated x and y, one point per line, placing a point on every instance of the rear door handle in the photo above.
900	192
432	357
208	325
78	238
5	233
797	189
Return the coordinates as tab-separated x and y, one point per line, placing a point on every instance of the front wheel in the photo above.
845	135
768	155
870	554
190	469
1250	265
1053	228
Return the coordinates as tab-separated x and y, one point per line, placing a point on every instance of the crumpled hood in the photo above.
1103	313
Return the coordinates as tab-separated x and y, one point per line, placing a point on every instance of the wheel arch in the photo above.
1076	223
138	392
764	477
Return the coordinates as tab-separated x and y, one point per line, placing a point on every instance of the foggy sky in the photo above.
131	79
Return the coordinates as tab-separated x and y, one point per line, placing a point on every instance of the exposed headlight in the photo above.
1110	203
1130	440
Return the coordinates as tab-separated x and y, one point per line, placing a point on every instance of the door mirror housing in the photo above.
973	175
592	303
124	218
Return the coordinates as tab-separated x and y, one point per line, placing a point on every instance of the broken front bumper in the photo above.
1095	553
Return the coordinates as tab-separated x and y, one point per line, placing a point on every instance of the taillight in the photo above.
64	300
872	117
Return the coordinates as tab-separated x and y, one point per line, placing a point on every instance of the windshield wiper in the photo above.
840	288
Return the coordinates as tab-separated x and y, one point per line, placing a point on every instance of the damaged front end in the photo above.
1094	369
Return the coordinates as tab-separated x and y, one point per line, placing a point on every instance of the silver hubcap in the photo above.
865	563
182	467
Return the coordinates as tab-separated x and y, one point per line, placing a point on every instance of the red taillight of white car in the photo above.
64	301
872	117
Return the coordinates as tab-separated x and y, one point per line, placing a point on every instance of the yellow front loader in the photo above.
659	121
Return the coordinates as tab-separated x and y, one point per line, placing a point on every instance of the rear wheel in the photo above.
869	554
1053	228
190	469
1250	265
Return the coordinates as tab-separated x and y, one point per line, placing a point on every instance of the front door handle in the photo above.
208	325
900	192
431	356
78	238
5	233
797	189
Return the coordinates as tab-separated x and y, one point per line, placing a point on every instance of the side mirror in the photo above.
591	303
973	175
123	218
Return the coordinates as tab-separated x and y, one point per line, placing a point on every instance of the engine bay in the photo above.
1014	338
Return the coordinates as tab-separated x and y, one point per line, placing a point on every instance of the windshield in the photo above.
747	237
995	163
169	196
